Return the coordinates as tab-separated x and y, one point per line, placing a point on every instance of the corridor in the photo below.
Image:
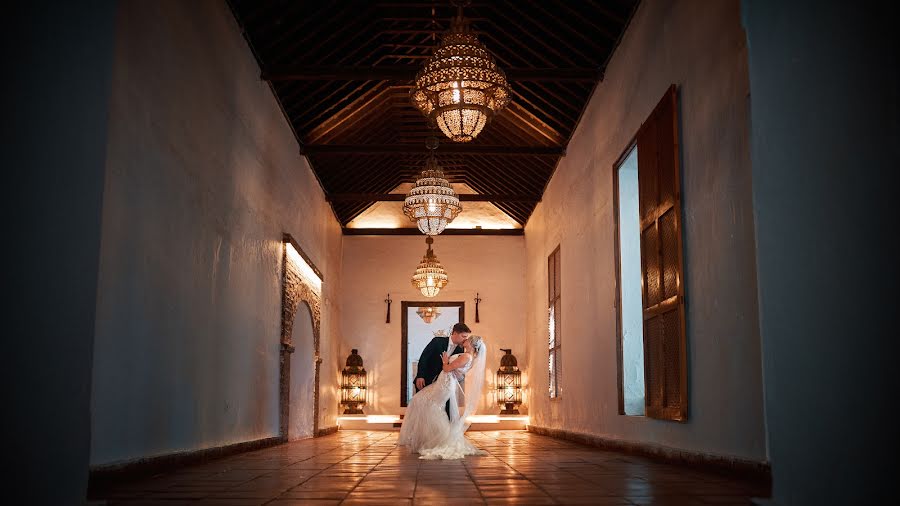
358	467
651	233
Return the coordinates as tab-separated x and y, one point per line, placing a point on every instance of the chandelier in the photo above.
429	313
460	87
430	275
432	203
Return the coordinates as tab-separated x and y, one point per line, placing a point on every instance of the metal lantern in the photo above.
353	385
509	384
430	276
460	88
431	204
428	313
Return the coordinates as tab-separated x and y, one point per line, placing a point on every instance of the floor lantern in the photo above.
353	384
509	384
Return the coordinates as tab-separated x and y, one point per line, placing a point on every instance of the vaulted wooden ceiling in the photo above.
342	71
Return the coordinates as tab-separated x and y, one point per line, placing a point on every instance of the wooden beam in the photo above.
446	149
447	231
399	197
403	72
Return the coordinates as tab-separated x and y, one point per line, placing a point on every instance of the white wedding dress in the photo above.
426	429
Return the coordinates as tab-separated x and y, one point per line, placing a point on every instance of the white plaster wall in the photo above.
374	266
699	46
203	177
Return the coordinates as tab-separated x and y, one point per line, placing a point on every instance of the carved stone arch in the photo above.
296	290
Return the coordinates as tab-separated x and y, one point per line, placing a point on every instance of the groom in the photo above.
430	363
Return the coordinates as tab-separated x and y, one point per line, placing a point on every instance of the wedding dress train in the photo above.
426	429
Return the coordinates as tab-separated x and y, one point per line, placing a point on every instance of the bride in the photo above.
426	429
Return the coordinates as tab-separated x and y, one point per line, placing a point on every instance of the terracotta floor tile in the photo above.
357	467
304	502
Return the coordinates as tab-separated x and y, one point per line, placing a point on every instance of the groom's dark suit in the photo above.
430	363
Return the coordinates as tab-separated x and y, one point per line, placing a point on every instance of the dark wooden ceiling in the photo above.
342	71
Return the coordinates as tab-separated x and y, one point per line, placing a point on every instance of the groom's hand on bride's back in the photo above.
420	383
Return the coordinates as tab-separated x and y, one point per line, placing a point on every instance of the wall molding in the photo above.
753	469
102	476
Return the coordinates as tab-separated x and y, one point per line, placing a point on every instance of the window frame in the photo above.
659	404
620	348
554	308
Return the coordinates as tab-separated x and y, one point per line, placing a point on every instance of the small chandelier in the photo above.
460	87
509	384
430	275
353	384
427	314
432	203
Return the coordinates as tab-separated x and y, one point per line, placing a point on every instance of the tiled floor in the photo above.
356	467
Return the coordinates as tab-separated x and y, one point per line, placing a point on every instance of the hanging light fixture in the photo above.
428	313
430	275
432	203
460	87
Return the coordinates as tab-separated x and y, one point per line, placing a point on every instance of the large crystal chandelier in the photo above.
460	87
432	203
430	275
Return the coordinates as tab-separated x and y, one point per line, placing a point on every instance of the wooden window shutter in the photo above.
662	272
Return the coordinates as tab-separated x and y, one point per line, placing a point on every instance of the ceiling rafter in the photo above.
342	72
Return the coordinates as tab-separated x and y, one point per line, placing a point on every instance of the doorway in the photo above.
301	412
420	323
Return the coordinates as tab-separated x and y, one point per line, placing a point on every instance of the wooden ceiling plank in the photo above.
443	149
447	231
511	20
310	122
382	177
512	126
538	27
536	123
545	116
407	72
290	32
344	171
545	91
399	197
505	207
503	176
580	34
602	7
353	110
486	180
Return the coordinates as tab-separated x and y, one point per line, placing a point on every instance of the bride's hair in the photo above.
476	343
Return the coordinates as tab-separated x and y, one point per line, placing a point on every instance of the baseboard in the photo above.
104	475
327	430
751	469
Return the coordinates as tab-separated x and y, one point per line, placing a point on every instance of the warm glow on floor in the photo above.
371	418
471	419
495	418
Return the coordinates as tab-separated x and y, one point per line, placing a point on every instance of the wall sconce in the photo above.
509	384
477	302
353	385
427	314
